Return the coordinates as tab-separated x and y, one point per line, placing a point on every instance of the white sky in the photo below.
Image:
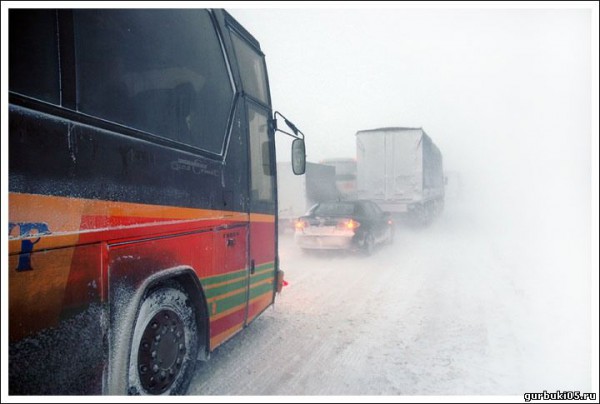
477	81
504	92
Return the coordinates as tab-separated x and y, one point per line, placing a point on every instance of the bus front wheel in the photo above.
164	347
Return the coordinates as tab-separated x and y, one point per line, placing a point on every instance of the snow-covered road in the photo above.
454	308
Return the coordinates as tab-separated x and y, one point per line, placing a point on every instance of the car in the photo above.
357	225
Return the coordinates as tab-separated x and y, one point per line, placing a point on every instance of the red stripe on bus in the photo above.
225	323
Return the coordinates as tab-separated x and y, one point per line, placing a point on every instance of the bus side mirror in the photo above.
298	156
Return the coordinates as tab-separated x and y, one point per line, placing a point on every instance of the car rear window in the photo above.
334	209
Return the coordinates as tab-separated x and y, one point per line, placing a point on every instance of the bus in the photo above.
142	196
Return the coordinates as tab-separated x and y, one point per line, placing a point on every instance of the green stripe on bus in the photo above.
210	293
211	280
260	290
239	299
223	278
261	277
264	266
230	302
215	292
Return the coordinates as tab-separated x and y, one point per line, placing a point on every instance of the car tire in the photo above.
164	347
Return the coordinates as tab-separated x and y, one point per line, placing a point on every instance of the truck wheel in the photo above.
424	214
439	207
164	347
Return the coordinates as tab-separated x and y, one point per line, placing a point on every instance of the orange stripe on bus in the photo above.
227	312
64	217
268	280
225	335
257	305
91	207
259	217
226	295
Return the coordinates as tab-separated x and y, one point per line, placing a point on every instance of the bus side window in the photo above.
252	69
159	71
33	54
261	177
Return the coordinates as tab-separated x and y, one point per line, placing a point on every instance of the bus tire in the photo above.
164	346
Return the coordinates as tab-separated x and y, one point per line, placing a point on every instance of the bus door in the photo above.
262	212
261	149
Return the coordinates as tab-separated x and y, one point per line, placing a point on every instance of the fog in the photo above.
443	311
505	95
499	295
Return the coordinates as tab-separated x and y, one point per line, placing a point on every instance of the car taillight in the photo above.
348	224
301	224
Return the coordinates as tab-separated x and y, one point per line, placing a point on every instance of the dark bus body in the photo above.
142	196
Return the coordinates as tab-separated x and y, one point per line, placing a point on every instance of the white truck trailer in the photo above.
401	170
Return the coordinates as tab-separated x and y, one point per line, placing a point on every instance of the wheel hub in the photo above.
161	352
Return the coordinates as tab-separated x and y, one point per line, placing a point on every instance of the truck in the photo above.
401	169
142	199
297	194
345	175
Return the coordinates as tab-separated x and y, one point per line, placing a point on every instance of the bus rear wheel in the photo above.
164	347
